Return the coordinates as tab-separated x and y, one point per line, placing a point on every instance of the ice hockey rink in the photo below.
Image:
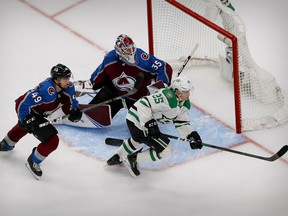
36	35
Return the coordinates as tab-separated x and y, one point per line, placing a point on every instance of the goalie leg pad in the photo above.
105	94
226	69
211	11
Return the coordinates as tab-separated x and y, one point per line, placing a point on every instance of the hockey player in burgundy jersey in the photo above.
33	106
117	73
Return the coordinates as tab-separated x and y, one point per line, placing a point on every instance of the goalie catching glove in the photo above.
153	129
195	140
75	115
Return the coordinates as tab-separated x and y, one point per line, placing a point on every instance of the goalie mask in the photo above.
125	48
60	71
182	83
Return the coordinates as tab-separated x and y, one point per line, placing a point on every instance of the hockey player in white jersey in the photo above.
168	105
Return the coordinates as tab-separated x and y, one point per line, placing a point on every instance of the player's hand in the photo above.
195	140
75	115
153	129
31	123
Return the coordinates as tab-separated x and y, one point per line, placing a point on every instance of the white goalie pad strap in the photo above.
226	69
225	40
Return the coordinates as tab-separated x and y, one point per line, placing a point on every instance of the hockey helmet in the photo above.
182	83
125	48
59	71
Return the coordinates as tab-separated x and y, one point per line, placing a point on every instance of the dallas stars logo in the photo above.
164	119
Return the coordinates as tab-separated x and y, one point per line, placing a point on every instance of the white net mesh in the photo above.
263	104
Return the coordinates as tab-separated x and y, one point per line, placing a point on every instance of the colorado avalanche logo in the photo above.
124	82
51	90
144	56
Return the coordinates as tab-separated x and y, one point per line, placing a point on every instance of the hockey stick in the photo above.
113	141
280	153
136	87
188	58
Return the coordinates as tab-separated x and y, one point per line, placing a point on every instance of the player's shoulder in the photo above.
71	89
147	61
46	86
187	104
142	55
111	56
45	89
171	97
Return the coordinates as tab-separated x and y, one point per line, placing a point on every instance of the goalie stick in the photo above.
188	58
136	87
280	153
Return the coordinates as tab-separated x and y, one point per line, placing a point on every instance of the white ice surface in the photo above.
35	36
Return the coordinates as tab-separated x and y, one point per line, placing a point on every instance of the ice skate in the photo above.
114	160
4	146
33	167
131	164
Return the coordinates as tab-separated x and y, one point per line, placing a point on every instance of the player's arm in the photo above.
165	73
99	76
27	118
32	99
71	104
161	69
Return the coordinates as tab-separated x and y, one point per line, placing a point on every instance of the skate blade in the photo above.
127	165
115	165
33	174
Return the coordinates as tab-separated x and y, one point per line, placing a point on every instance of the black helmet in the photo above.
59	71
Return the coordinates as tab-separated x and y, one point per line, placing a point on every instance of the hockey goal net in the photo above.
174	26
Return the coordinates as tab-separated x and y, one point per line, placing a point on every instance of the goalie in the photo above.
117	73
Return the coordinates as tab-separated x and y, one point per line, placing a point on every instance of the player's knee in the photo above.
159	144
54	142
129	146
46	133
167	152
45	148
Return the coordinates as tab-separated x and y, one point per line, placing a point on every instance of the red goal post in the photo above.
174	26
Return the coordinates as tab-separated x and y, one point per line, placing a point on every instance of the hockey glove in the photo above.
195	140
153	129
31	122
75	115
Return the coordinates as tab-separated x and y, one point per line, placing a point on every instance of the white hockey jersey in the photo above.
164	107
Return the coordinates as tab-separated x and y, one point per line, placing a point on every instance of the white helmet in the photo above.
125	48
182	83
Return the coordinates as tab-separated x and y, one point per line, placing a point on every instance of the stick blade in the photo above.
113	141
282	151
